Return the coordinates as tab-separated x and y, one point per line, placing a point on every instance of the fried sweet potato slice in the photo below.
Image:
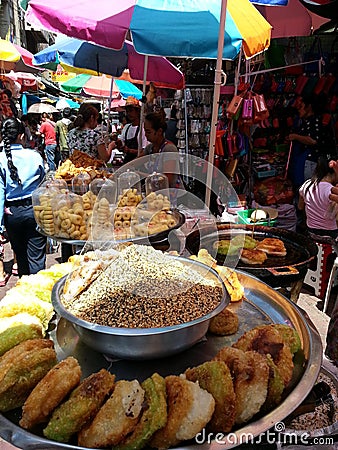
215	377
50	392
81	407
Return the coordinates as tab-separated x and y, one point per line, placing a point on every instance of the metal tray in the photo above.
152	238
264	305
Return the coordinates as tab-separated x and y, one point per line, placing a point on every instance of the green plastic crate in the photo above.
244	217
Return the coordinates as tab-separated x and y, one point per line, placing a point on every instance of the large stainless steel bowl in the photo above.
143	343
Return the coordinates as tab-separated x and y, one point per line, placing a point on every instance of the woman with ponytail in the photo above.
21	172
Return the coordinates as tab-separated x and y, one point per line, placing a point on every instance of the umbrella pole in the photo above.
145	73
110	98
217	90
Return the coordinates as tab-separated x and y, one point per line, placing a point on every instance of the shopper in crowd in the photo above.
61	130
306	140
21	172
47	129
331	350
28	138
129	139
314	199
155	127
85	138
171	130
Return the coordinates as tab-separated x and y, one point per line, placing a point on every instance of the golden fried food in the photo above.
225	323
272	246
215	377
12	355
154	416
20	378
50	392
116	419
253	256
81	407
265	339
289	335
232	283
18	328
204	257
275	386
250	374
189	410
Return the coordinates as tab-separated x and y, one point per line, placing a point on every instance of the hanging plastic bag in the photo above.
234	106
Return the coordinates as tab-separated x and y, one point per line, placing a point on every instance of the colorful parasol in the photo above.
84	57
14	57
101	87
158	27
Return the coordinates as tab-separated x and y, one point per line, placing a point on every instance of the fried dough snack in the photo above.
154	416
275	386
12	355
214	377
20	378
18	328
116	419
50	392
82	405
266	339
253	256
224	323
250	373
189	409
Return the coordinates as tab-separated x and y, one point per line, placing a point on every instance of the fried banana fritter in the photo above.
289	335
116	419
21	377
189	410
250	374
215	377
153	418
265	339
224	324
18	328
82	405
50	392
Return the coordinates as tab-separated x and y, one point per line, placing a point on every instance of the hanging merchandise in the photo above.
315	53
247	111
300	84
234	107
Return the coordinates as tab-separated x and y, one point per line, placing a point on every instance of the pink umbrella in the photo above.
291	20
27	80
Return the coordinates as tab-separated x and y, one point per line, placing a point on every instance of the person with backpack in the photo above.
61	129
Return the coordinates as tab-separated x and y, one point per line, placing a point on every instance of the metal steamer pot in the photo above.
276	271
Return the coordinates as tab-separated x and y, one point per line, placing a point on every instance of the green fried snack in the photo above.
18	328
21	377
81	407
289	335
224	247
215	377
154	416
275	386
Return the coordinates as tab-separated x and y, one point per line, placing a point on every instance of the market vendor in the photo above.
85	138
167	162
21	172
130	136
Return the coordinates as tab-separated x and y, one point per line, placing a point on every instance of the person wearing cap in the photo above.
130	133
61	129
